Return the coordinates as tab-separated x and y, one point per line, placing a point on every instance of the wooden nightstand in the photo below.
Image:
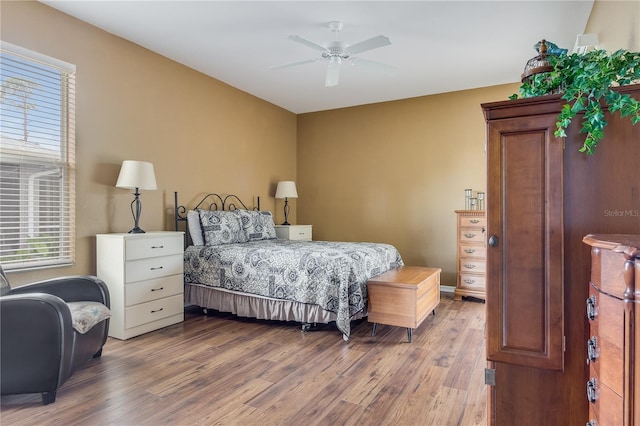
294	232
144	273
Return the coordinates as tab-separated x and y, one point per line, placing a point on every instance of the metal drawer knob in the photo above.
468	281
469	266
469	251
469	235
474	221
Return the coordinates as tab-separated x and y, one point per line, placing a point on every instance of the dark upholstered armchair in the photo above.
49	329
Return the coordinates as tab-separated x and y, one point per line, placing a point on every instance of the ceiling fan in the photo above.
336	52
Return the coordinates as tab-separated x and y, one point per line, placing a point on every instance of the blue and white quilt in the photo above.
332	275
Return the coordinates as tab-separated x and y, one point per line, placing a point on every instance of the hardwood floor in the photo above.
224	370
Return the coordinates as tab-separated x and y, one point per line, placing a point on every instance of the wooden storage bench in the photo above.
403	297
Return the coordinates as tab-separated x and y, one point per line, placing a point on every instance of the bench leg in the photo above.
409	334
434	312
373	331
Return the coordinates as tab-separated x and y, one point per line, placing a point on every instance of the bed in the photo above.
233	262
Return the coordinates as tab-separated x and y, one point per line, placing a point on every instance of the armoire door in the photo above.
525	323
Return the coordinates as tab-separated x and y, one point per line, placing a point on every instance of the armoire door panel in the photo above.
525	319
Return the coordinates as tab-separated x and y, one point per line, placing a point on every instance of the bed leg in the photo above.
306	327
205	311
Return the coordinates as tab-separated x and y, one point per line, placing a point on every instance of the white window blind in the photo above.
37	160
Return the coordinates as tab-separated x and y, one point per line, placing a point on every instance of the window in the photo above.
37	160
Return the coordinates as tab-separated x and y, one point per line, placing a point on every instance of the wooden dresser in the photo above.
613	349
472	254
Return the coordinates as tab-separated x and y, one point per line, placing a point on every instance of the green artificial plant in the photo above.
586	82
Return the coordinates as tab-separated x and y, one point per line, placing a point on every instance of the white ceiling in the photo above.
437	46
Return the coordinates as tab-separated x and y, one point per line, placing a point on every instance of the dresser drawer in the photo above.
473	221
154	310
142	248
157	267
476	266
145	291
477	251
471	235
470	281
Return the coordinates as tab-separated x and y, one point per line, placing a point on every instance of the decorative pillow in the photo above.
5	288
195	229
221	227
85	315
257	225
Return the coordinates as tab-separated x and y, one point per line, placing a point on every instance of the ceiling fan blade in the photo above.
333	72
293	64
378	66
372	43
309	43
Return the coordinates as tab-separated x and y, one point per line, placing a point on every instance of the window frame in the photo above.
43	194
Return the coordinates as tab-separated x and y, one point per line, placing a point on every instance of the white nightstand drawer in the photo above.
142	248
294	232
156	267
154	310
145	291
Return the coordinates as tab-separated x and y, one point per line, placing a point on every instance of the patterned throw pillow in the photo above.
221	227
85	315
257	225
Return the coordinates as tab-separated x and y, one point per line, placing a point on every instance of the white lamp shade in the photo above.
136	174
286	189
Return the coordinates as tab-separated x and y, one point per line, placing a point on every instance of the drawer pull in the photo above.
159	267
591	308
474	221
469	281
157	289
157	310
469	251
155	247
469	266
592	349
591	390
469	235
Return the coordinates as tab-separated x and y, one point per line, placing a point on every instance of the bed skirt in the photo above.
255	306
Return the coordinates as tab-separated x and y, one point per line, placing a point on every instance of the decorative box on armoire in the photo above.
613	349
543	196
472	252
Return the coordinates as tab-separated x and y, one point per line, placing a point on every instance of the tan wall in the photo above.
617	24
395	172
200	134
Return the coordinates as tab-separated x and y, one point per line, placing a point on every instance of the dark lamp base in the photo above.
285	223
136	230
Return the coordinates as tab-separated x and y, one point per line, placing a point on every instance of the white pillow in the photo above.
195	229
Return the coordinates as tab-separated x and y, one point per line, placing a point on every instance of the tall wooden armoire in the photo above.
543	197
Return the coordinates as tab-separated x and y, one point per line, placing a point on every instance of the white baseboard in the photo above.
447	288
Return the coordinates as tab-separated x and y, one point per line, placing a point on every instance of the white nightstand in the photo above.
144	273
294	232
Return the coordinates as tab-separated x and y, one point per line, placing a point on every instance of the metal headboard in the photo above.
210	201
